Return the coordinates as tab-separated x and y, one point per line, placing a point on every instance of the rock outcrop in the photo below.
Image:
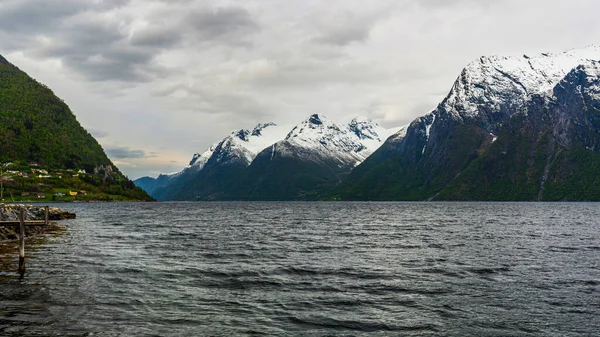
11	213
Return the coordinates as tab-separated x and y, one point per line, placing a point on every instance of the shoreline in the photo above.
69	201
10	212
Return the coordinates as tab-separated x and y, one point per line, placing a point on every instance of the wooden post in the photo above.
22	240
46	215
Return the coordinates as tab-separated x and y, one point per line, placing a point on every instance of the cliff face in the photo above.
547	151
504	105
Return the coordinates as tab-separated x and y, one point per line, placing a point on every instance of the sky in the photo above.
156	81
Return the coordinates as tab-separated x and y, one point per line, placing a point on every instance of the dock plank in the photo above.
27	223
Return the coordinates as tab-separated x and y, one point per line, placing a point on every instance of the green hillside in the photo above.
528	164
39	131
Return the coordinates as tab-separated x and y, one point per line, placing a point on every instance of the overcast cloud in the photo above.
157	81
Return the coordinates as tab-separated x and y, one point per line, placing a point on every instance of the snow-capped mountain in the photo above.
494	98
314	157
316	139
350	143
511	128
241	145
239	148
490	88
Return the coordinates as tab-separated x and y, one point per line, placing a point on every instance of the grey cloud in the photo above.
345	36
184	69
93	48
243	103
97	35
119	152
343	28
97	50
310	73
160	37
102	48
117	64
108	4
46	15
229	25
221	22
456	3
35	15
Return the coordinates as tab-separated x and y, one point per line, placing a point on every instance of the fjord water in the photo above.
419	269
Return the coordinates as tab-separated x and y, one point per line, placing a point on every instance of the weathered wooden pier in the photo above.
22	223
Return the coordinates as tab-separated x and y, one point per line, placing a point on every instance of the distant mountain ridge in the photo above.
497	108
510	128
246	164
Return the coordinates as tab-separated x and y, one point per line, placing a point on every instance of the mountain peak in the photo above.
591	68
364	128
257	131
260	160
491	86
315	119
194	159
511	128
242	134
312	128
351	143
3	60
584	79
361	119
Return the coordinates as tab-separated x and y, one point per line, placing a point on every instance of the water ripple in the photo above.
310	269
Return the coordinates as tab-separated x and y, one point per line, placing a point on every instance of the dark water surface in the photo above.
311	269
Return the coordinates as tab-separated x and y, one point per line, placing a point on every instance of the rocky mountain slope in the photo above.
511	128
272	162
44	146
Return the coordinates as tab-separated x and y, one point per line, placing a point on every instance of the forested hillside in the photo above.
37	128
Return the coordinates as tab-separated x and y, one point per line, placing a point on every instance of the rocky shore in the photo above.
11	213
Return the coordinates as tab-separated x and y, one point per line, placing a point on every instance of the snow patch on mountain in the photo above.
592	79
241	145
400	134
319	138
265	135
200	159
371	135
428	131
316	138
498	81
